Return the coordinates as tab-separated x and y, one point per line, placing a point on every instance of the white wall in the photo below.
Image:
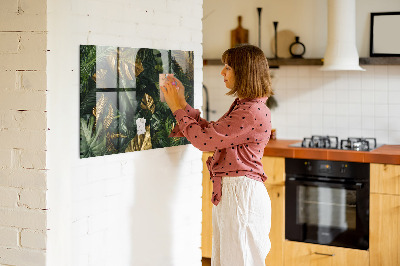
140	208
23	133
311	102
306	19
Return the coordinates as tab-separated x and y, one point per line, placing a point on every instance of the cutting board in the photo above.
239	35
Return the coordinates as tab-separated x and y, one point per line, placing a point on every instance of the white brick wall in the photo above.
22	132
33	239
9	237
140	208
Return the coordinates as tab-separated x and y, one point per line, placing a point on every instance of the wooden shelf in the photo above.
274	63
380	61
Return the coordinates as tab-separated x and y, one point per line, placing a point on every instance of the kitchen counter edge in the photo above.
385	154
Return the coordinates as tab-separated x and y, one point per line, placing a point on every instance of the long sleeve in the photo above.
193	113
238	140
232	130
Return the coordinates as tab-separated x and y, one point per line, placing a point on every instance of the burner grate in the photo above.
358	144
332	142
327	142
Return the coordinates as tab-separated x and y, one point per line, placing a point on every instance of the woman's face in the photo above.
229	76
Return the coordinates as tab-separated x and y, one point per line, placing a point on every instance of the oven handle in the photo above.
357	185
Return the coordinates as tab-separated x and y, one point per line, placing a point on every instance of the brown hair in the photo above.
250	66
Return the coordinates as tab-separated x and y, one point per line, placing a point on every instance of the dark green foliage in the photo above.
93	143
111	97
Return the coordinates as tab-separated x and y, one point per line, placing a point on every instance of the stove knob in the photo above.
308	166
343	168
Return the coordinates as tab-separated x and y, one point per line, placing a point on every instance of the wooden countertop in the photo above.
389	154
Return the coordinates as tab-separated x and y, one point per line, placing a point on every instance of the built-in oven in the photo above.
327	202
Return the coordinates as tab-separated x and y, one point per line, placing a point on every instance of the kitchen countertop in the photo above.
389	154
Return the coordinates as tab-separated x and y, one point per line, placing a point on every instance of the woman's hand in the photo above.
181	92
174	94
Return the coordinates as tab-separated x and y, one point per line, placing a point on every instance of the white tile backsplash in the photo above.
394	97
380	71
342	109
394	123
394	110
368	110
304	82
394	82
381	110
367	96
291	71
292	82
329	109
345	103
394	136
381	84
382	136
342	122
381	97
393	71
355	96
367	123
304	72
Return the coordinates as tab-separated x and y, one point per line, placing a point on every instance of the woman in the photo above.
242	208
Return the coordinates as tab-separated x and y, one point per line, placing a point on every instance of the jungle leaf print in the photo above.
119	85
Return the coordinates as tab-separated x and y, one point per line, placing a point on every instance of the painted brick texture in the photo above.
23	125
140	208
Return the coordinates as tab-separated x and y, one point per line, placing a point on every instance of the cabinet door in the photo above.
384	230
274	168
385	178
277	233
206	232
304	254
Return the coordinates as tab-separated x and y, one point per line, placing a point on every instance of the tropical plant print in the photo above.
120	86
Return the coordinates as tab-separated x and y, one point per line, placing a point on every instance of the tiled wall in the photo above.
313	102
344	103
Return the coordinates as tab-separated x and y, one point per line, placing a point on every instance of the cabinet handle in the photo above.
324	254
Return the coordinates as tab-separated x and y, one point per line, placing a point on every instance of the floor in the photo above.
206	261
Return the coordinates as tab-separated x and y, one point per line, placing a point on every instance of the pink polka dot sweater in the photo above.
238	139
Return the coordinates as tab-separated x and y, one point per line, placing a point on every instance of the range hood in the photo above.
341	51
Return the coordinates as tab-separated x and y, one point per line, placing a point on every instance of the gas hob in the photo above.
332	142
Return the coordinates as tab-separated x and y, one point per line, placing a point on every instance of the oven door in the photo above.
327	213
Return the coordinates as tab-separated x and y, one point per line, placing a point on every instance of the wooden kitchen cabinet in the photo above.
384	236
305	254
206	225
385	215
274	168
385	178
277	233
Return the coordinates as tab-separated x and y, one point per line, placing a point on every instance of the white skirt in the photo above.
241	223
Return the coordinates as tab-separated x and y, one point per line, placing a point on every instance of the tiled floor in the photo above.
206	261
